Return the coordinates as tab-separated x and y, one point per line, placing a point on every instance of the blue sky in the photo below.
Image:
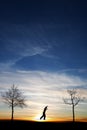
43	50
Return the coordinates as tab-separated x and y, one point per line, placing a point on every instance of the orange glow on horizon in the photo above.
47	120
37	119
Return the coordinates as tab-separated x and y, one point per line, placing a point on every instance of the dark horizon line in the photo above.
46	121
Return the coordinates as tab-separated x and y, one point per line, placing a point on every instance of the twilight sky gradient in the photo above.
43	51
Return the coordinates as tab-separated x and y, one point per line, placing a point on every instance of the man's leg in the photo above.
41	117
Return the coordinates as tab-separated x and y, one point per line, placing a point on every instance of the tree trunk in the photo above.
73	113
12	111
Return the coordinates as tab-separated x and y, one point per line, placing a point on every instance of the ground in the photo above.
7	124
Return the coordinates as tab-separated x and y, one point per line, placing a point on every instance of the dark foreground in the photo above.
6	124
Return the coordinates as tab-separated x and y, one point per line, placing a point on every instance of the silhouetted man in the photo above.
44	113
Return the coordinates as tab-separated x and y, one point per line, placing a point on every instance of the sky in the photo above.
43	51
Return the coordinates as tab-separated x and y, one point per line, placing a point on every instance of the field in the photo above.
17	124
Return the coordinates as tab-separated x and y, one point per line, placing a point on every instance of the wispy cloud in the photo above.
42	80
19	41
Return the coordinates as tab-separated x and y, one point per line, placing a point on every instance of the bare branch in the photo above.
73	100
14	97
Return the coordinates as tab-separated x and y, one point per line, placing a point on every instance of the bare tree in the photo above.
14	98
73	100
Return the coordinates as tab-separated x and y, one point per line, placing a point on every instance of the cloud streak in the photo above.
19	41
